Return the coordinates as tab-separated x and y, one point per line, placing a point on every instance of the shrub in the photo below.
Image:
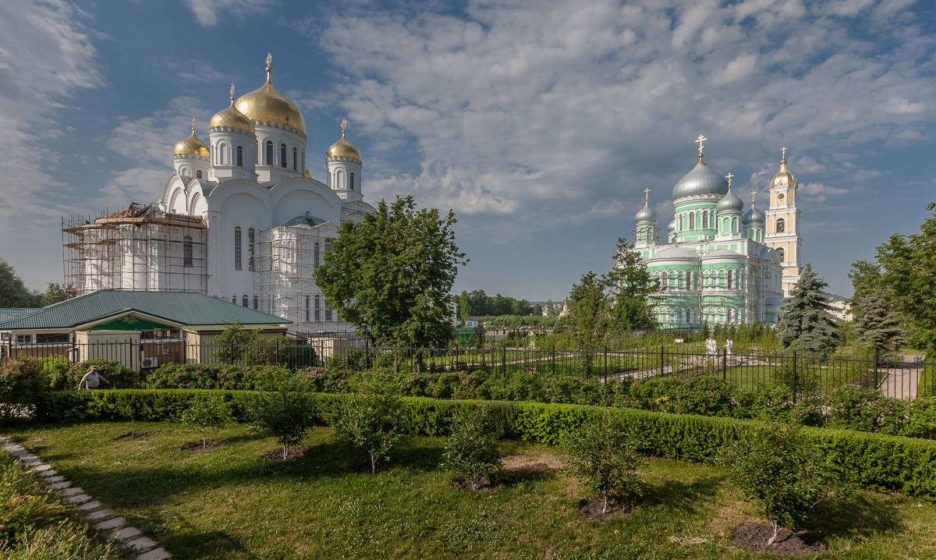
471	450
371	420
603	452
205	414
21	383
222	376
856	408
921	420
286	413
704	395
62	378
781	471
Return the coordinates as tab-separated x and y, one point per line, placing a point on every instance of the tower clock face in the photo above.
780	196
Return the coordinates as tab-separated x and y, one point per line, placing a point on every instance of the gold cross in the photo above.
232	92
753	196
647	194
269	65
343	125
193	125
783	152
729	176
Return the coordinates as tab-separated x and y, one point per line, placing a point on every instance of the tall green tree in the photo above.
391	274
805	322
589	316
631	285
13	293
866	282
54	293
879	326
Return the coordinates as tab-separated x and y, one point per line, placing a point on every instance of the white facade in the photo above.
261	223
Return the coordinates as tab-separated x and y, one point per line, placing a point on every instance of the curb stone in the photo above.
91	510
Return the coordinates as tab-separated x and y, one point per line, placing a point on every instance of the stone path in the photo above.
93	512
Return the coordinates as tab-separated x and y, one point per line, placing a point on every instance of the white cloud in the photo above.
209	12
819	192
193	71
527	108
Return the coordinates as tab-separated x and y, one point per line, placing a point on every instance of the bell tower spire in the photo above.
782	232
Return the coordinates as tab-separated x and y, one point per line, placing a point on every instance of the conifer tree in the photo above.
879	326
805	323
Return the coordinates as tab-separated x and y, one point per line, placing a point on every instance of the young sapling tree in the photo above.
471	449
286	412
371	420
207	414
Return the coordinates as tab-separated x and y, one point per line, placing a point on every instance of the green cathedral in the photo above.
715	267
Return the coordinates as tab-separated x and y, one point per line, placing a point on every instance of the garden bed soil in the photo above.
277	455
131	435
591	508
199	446
754	535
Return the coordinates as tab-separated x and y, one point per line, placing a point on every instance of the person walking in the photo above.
92	379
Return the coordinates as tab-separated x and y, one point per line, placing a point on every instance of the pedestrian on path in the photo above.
92	379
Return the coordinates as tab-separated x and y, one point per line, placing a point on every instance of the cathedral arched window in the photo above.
295	158
730	284
781	225
691	220
318	308
680	222
315	256
251	240
198	174
237	248
256	302
780	253
240	156
245	301
268	153
338	179
705	219
234	299
688	279
351	180
307	309
187	251
283	155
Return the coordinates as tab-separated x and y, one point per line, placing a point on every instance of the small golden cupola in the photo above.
191	146
231	118
267	106
343	148
783	178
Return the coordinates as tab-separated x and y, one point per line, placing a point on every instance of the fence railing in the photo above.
802	375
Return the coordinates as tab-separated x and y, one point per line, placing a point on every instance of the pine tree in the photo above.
805	323
631	285
879	326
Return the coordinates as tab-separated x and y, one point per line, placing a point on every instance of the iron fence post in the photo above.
554	359
661	359
794	377
504	360
724	364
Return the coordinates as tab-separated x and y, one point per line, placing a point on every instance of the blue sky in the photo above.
539	123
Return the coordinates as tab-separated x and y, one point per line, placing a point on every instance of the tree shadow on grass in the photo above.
217	544
683	496
854	516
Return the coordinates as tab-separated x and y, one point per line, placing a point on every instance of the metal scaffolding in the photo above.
140	248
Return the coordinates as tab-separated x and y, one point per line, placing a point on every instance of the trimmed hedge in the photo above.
872	460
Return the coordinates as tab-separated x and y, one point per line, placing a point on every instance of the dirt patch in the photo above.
536	462
592	508
199	445
473	483
754	535
277	454
131	435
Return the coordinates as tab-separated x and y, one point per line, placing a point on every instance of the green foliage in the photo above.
36	525
777	467
603	452
477	303
588	318
879	327
371	420
631	285
205	414
805	324
222	376
391	274
875	461
471	449
286	412
21	383
13	293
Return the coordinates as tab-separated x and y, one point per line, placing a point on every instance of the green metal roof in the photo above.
9	313
179	307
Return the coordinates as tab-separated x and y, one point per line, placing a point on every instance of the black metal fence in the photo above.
803	375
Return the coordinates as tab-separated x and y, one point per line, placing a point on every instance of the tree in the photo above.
631	285
589	316
805	324
206	414
286	413
878	326
777	468
13	293
604	453
55	293
371	420
391	274
471	450
866	282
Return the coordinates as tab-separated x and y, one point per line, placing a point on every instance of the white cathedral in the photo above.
240	218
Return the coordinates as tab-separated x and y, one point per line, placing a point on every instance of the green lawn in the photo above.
229	503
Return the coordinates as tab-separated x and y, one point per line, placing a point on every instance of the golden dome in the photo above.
191	146
342	148
232	118
267	105
783	177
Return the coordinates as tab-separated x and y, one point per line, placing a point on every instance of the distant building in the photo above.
716	266
841	308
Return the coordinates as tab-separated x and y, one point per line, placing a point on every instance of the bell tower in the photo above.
782	232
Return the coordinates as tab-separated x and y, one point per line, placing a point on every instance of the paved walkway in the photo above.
903	382
94	512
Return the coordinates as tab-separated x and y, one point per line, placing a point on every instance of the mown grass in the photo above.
229	503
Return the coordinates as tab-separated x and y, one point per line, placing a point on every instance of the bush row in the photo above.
871	460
